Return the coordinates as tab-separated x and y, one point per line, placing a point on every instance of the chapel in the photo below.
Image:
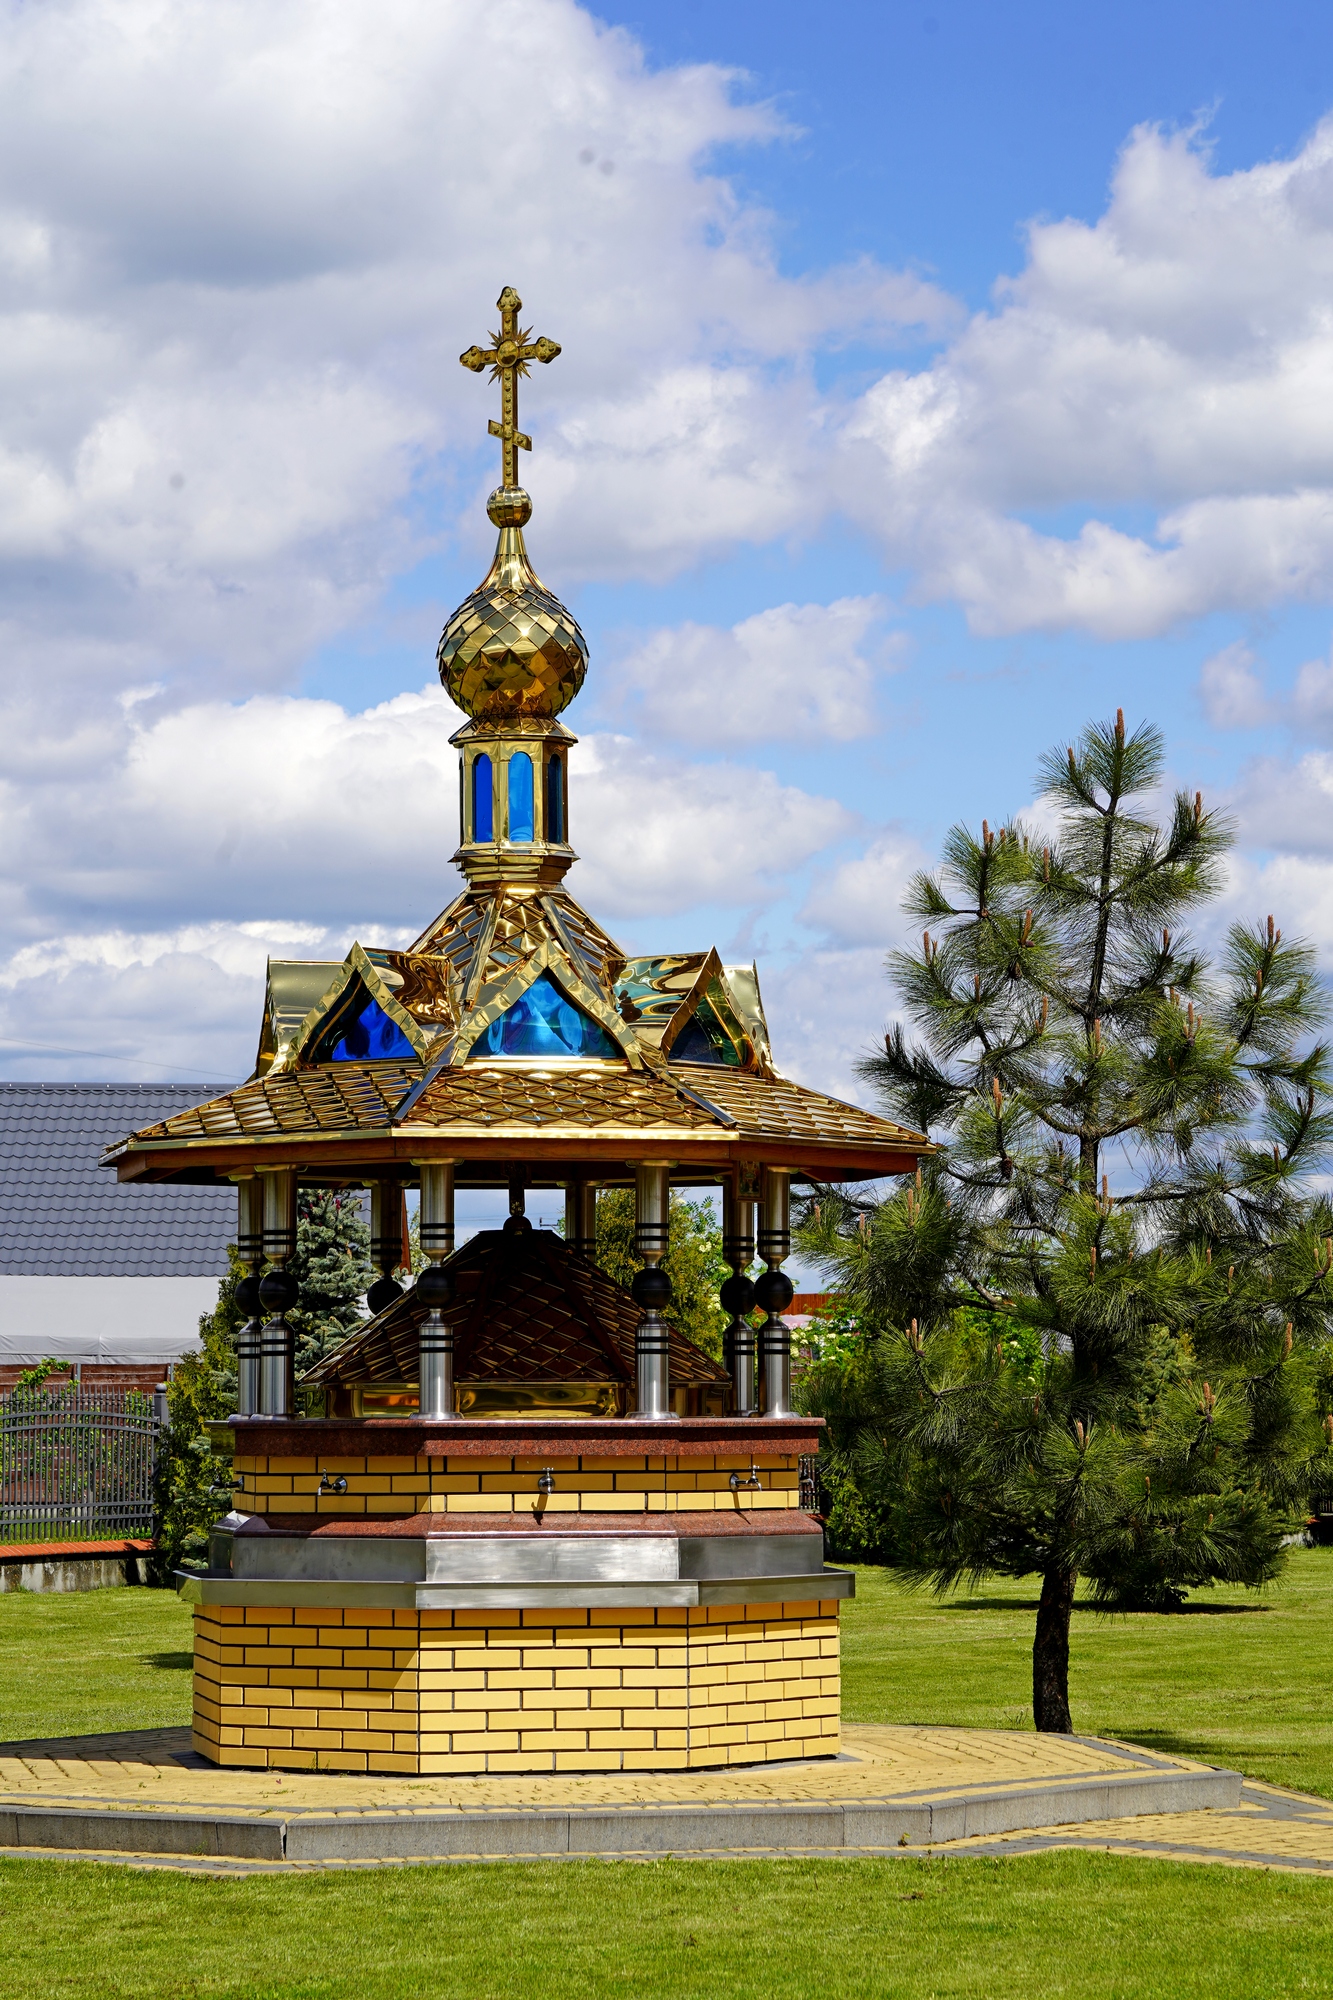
516	1462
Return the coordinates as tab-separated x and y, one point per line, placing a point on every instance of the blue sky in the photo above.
934	378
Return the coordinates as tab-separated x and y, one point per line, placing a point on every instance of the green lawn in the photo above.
1051	1925
1236	1680
81	1661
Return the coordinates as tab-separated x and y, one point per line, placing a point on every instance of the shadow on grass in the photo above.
1096	1611
1206	1750
177	1661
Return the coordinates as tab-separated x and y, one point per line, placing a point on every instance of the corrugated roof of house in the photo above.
61	1215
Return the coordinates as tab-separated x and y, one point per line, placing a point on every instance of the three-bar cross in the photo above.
508	358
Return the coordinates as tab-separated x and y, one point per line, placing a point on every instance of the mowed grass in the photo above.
1053	1925
79	1662
1234	1679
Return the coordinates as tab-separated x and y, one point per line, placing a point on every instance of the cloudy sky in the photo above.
934	378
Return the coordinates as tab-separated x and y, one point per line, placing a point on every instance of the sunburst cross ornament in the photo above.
508	358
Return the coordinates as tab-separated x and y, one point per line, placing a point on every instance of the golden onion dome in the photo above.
511	649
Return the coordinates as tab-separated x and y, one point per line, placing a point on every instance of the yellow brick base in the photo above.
486	1691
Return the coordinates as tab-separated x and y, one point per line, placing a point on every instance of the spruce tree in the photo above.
332	1267
1092	1316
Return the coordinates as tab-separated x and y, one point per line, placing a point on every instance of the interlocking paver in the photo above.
155	1770
1270	1829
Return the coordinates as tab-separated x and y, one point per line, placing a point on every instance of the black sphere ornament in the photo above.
383	1293
435	1288
651	1288
737	1295
774	1291
277	1291
247	1296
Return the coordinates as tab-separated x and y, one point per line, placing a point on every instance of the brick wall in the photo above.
507	1691
467	1485
94	1375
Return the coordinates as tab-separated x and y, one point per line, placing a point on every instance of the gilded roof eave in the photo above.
706	1115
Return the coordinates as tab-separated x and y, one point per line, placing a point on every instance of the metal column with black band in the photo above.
737	1297
651	1289
581	1217
435	1289
250	1250
278	1292
773	1292
386	1243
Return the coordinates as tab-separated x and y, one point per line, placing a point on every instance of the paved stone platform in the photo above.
146	1795
1268	1828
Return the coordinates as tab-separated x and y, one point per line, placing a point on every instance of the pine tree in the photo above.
693	1262
1094	1313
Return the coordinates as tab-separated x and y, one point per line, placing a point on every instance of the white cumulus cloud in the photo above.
1174	359
1233	694
241	248
859	900
209	837
791	672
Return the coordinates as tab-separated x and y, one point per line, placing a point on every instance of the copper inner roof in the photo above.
528	1308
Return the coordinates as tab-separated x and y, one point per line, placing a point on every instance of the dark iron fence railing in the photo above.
77	1465
810	1492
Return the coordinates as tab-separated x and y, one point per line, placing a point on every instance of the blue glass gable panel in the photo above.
520	796
372	1036
544	1023
701	1040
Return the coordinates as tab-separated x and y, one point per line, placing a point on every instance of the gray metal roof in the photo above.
61	1215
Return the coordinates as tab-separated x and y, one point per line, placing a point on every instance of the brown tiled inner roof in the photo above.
528	1308
481	1096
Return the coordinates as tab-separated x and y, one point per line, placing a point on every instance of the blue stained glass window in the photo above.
483	823
555	800
700	1041
520	796
373	1036
544	1023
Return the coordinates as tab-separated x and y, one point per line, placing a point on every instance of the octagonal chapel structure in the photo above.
528	1526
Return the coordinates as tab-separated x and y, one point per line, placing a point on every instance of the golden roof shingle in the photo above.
488	1097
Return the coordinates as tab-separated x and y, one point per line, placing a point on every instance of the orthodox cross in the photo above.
508	358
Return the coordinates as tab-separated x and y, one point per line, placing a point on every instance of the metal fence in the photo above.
77	1465
810	1491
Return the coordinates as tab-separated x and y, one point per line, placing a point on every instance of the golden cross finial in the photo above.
507	359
